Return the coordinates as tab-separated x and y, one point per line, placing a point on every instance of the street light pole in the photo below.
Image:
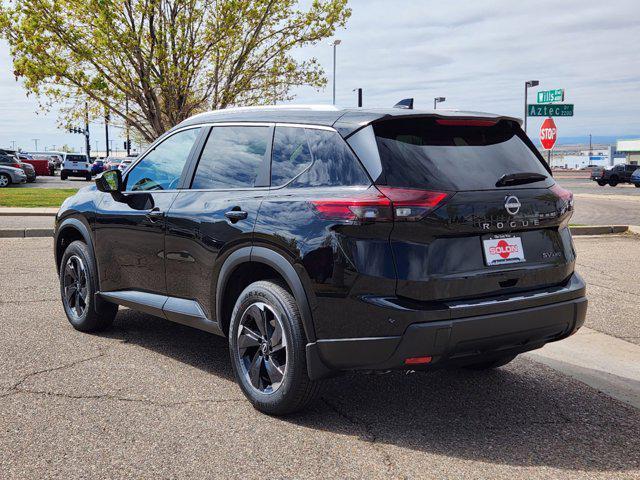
438	100
335	43
527	84
35	140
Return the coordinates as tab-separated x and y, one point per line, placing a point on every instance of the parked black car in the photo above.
613	175
324	240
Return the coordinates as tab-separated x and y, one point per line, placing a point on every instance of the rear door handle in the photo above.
154	214
235	215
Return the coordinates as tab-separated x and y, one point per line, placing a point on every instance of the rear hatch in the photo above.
76	163
495	220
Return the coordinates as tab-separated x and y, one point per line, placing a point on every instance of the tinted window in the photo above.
333	163
422	153
162	167
76	158
291	154
6	159
232	157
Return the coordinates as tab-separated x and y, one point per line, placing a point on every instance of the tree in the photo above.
169	58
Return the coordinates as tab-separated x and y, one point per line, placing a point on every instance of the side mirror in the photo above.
110	181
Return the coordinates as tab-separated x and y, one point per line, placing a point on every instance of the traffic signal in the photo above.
127	144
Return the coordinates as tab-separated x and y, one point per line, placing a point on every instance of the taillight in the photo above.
16	165
381	204
410	204
563	194
370	206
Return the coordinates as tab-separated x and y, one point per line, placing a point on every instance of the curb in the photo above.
26	232
28	212
599	229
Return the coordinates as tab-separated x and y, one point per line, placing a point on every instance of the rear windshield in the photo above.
76	158
421	152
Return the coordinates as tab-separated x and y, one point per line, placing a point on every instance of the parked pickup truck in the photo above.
613	175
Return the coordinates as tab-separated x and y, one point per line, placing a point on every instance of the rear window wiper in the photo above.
519	178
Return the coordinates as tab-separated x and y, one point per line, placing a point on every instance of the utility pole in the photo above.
590	146
13	144
527	84
335	43
106	131
35	140
126	106
86	130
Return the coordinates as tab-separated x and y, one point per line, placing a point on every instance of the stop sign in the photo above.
548	134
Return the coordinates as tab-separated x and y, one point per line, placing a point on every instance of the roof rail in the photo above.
319	107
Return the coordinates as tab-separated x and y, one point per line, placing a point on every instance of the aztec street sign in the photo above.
550	110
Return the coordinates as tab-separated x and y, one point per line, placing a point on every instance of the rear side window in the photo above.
291	154
232	158
420	152
333	163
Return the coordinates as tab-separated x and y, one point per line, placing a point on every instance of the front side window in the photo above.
161	168
232	158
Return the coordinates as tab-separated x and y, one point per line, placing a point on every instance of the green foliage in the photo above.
169	58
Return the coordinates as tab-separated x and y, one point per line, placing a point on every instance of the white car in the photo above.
75	165
124	164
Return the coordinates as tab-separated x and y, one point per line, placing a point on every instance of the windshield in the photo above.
420	152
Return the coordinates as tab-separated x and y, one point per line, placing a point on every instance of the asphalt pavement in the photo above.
153	399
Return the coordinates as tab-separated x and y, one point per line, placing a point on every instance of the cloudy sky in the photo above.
477	54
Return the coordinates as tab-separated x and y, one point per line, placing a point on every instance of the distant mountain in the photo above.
584	139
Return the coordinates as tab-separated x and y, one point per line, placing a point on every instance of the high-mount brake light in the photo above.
455	122
381	204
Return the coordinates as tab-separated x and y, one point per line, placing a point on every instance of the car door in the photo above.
130	226
218	212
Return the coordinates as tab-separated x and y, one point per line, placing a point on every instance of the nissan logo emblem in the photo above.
512	205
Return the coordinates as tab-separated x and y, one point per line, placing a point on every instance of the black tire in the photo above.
602	183
87	177
491	364
5	180
84	311
613	182
637	185
295	390
63	176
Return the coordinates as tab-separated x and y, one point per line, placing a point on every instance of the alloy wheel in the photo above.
75	286
262	348
4	181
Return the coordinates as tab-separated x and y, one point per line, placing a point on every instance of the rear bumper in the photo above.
78	173
464	338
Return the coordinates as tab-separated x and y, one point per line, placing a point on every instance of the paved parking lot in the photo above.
54	182
152	399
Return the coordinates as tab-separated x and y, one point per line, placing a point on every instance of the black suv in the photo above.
320	240
613	175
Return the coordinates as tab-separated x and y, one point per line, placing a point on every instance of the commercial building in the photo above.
631	150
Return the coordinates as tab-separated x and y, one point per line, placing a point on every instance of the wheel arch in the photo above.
274	261
69	230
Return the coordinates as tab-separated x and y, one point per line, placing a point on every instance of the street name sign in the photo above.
548	134
550	110
551	96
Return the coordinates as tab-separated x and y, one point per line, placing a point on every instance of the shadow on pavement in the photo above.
524	414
